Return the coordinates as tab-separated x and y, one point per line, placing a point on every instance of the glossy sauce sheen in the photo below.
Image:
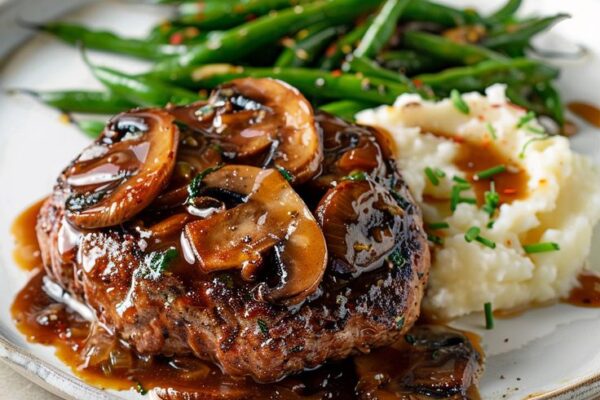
588	293
47	321
588	112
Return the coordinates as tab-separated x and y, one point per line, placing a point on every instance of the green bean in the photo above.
235	43
311	82
552	101
108	41
225	15
519	95
448	50
308	45
345	45
372	69
382	28
82	101
91	128
521	33
423	10
505	12
346	109
409	62
141	90
478	77
173	34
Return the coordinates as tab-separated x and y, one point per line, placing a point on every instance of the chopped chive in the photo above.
533	129
530	141
438	225
399	322
439	173
459	102
435	239
488	173
458	179
432	176
489	316
486	242
356	176
456	198
525	119
262	325
541	247
286	174
491	200
490	225
491	130
140	388
472	234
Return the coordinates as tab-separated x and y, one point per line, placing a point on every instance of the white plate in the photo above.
552	352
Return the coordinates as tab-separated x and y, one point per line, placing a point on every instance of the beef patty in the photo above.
245	230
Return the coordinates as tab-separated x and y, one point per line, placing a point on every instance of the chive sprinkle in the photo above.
286	174
262	325
525	119
140	388
533	129
459	102
491	130
490	225
530	141
491	200
489	316
357	176
458	179
438	225
488	173
541	247
435	239
439	173
431	175
486	242
456	198
472	234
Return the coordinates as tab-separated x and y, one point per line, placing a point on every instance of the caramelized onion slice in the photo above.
123	171
361	222
271	214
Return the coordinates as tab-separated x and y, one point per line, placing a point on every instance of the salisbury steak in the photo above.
243	230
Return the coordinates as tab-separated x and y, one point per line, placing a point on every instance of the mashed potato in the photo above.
560	202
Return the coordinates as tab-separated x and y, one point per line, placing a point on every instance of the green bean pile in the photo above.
344	55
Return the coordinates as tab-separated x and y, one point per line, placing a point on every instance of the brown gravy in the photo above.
476	157
101	360
588	112
588	292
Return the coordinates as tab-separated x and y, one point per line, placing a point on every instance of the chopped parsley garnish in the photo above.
196	183
140	388
438	225
473	234
433	176
356	176
525	119
435	239
157	262
397	259
262	325
541	247
399	322
491	200
489	316
488	173
491	130
458	102
286	174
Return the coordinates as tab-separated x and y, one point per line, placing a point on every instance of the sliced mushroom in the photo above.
348	148
362	224
270	215
261	121
124	171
